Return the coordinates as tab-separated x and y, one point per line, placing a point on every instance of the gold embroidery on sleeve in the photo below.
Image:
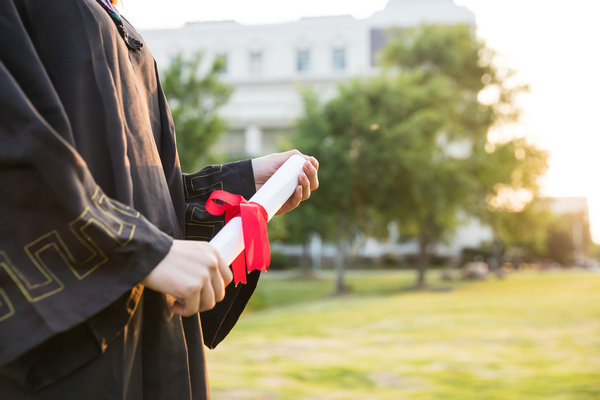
201	228
190	182
97	221
85	251
210	170
97	257
6	308
35	283
122	208
203	191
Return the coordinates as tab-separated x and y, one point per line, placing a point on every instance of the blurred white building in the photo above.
574	206
266	64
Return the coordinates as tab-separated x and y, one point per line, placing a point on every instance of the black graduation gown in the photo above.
91	197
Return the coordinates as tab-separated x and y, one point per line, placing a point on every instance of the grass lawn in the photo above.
530	336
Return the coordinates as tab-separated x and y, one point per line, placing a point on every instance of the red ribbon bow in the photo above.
254	228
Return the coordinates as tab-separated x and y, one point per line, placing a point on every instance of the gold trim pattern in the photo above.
5	303
191	191
201	228
84	254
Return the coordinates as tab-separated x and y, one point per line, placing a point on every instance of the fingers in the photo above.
290	153
292	202
296	198
188	301
311	159
221	278
282	157
201	295
202	299
192	272
307	182
225	271
310	170
218	286
179	307
305	185
207	299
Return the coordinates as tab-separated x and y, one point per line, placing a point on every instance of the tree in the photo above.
509	203
297	227
332	213
195	98
370	137
479	97
560	245
568	239
522	231
411	145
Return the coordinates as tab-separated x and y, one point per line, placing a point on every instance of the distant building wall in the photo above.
574	206
267	64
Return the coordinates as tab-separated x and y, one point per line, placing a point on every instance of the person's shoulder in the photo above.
63	21
65	11
78	27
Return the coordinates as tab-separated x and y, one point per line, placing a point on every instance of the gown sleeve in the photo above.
67	250
237	178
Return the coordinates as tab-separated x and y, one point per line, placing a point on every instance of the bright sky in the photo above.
553	44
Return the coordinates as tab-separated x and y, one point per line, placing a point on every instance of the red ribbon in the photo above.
257	253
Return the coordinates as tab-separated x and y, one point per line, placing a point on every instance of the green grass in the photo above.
530	336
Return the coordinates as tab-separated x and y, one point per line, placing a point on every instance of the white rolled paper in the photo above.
272	195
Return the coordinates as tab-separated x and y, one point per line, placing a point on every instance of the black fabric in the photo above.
91	199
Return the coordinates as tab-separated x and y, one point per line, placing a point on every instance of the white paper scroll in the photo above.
272	195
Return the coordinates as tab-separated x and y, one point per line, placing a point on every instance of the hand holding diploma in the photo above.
291	176
265	167
196	273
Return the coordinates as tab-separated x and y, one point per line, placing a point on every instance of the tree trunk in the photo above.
316	252
339	261
305	264
497	257
340	287
422	262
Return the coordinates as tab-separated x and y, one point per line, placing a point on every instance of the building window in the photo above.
256	60
223	61
339	59
302	60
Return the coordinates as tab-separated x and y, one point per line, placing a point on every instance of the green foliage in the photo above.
455	52
594	250
511	170
439	50
568	235
333	206
524	232
535	233
411	145
195	98
559	244
279	261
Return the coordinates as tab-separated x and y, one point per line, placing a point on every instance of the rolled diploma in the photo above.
272	195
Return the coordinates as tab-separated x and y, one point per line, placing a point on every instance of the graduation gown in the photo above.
91	197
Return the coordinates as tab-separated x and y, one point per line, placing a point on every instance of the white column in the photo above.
316	251
253	140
